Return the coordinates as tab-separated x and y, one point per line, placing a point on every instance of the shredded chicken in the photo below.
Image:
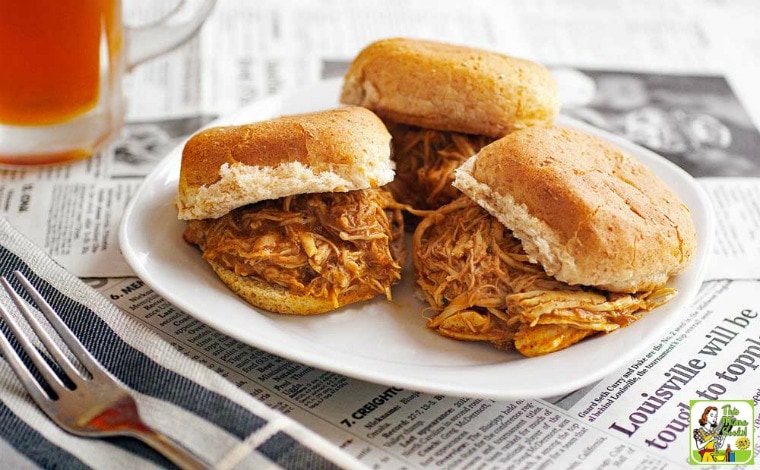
482	287
322	245
425	163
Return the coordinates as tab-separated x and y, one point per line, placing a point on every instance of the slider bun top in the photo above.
450	88
224	168
586	211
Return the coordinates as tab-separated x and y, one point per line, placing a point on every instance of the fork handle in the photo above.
169	448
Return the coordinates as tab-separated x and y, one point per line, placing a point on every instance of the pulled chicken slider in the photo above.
558	236
290	212
442	103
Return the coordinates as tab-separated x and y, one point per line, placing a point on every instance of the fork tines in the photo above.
24	374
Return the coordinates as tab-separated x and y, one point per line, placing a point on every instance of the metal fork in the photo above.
96	406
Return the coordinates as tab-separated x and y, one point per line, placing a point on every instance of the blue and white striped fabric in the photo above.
175	394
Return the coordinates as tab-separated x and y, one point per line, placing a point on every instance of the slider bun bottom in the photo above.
278	299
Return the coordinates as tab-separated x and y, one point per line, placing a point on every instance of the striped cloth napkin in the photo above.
175	394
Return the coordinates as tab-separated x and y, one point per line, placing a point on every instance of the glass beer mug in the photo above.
61	67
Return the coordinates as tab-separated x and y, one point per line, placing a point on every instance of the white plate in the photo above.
378	341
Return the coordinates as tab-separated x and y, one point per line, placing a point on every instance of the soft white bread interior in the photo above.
586	211
337	150
449	87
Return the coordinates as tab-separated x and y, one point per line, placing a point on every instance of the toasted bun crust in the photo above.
586	211
451	88
329	151
278	299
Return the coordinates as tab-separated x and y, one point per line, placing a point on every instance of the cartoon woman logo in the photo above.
707	437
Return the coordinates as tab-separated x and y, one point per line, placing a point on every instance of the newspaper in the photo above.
637	417
667	63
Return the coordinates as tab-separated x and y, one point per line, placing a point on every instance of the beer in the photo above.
50	58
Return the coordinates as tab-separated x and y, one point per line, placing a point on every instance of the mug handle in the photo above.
147	42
